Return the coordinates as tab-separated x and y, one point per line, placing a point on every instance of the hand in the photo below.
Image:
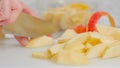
9	11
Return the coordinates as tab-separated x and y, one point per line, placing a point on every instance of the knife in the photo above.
29	26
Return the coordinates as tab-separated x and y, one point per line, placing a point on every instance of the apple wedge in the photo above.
107	40
88	46
41	55
56	48
112	51
77	43
109	31
78	47
77	40
67	35
96	51
94	38
105	30
116	35
40	42
70	57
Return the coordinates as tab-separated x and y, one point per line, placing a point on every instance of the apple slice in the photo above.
70	57
80	6
109	31
67	35
94	38
78	47
106	30
112	51
56	48
88	46
40	42
116	35
107	40
41	55
77	40
96	51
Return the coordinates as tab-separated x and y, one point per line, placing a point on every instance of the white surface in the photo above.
12	55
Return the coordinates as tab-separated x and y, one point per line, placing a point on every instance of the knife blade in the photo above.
27	25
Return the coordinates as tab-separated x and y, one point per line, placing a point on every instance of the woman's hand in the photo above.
9	11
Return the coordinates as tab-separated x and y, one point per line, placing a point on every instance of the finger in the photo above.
16	9
4	10
27	10
22	40
3	22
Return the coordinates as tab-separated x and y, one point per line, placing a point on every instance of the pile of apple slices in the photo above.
76	49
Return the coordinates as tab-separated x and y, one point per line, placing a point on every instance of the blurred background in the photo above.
111	6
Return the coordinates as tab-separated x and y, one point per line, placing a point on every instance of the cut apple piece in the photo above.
112	51
88	46
108	40
105	30
80	6
70	57
114	43
67	35
56	48
97	38
96	51
109	31
116	35
77	41
41	55
81	38
78	47
40	42
95	35
94	38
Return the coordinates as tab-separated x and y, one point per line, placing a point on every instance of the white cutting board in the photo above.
12	55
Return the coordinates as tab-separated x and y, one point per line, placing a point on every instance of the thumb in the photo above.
5	10
22	40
